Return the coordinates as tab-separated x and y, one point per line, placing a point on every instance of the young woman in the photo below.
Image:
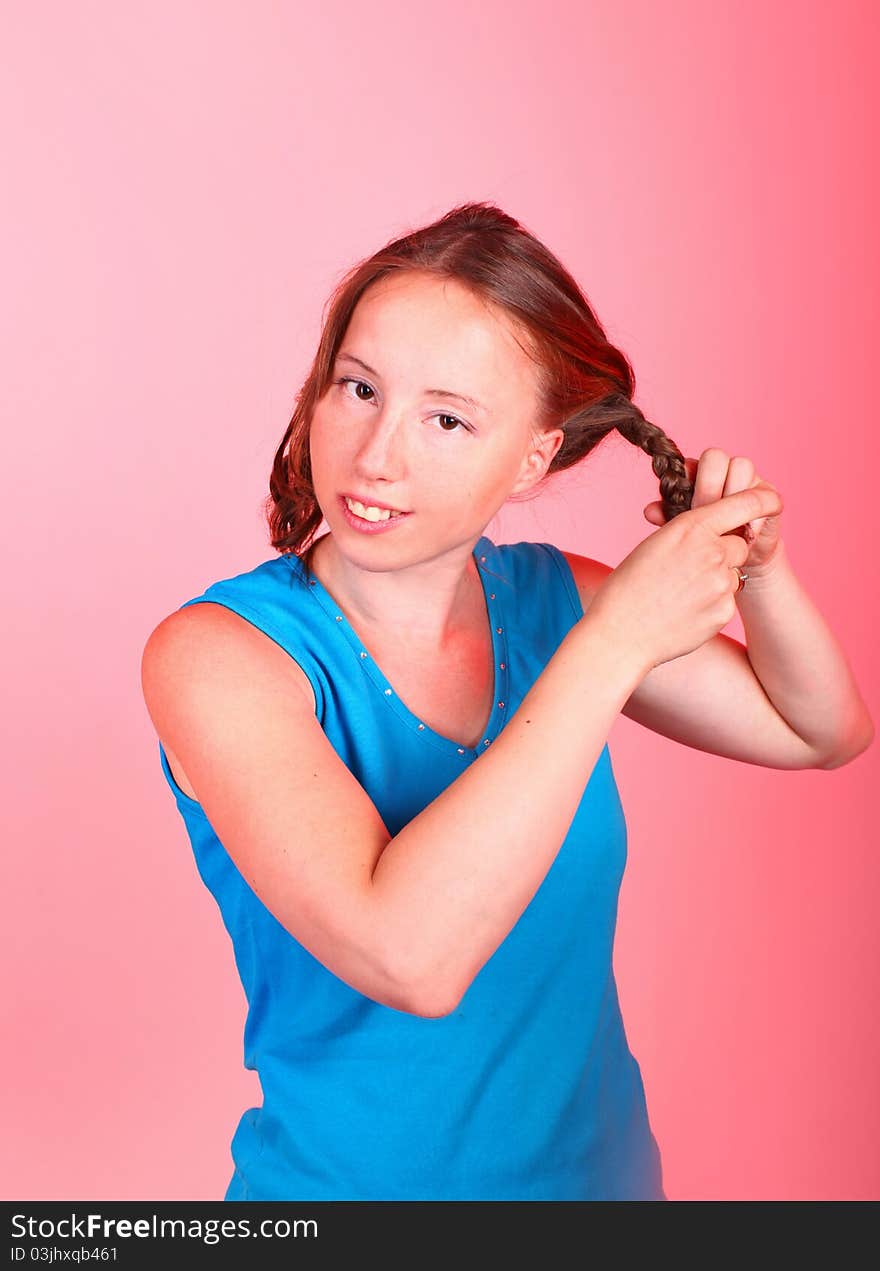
387	743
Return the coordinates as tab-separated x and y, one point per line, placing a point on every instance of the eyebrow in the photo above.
429	392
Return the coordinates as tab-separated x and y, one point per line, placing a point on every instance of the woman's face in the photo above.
382	434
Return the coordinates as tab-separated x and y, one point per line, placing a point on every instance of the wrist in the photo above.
761	577
613	643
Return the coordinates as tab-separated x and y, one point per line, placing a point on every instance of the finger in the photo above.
737	553
734	510
711	476
740	475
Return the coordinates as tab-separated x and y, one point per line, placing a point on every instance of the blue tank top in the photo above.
528	1089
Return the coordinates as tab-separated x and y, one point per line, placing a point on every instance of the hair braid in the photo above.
617	411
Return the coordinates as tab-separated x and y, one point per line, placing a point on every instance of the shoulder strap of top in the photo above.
541	576
568	581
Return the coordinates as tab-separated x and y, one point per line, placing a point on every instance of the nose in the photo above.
380	454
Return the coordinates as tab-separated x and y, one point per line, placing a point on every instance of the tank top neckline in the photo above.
483	559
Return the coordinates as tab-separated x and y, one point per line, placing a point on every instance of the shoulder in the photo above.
588	575
193	640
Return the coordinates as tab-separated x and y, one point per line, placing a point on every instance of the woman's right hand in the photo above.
677	588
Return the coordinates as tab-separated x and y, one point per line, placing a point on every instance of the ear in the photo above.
537	459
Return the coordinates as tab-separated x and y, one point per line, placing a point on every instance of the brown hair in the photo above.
585	383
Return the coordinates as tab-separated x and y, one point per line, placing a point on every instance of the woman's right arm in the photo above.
453	883
409	920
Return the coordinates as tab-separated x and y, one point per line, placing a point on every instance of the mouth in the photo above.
371	511
370	518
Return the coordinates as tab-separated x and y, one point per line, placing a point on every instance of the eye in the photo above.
459	423
456	422
348	379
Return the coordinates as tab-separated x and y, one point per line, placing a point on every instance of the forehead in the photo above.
436	330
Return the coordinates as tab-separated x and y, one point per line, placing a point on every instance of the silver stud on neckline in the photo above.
421	726
461	752
482	558
363	655
503	665
339	617
486	741
388	692
501	704
492	597
499	630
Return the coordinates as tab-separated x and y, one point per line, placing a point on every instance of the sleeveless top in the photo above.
528	1089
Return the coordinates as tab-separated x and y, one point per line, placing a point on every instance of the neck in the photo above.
426	605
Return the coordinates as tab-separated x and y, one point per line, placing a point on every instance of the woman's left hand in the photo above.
716	475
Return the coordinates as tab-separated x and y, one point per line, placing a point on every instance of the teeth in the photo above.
370	513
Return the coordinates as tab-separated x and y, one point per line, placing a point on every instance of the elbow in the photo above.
433	1002
432	997
413	986
428	1010
855	747
403	996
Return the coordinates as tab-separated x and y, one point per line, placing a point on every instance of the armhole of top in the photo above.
574	597
567	576
258	620
179	792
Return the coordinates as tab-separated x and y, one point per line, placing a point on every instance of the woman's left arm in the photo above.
788	699
800	664
792	651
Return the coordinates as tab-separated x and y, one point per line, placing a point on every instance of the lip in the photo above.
370	527
372	503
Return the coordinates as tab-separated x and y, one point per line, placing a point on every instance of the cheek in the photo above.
321	451
501	470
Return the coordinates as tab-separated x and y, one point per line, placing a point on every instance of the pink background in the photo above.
184	183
